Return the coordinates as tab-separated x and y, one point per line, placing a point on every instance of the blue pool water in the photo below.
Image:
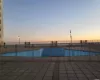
51	52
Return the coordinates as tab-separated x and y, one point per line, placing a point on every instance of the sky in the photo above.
46	20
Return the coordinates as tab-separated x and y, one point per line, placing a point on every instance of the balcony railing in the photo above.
89	50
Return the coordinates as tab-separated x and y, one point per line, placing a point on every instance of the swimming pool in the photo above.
46	52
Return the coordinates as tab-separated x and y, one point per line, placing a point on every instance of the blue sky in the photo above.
44	20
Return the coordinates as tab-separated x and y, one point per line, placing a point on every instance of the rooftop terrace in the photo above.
70	67
51	68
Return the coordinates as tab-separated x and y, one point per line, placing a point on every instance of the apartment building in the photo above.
1	21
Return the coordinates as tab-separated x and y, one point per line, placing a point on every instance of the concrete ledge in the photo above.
73	58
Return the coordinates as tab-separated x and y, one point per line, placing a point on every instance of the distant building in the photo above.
1	21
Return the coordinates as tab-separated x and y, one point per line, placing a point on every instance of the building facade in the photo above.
1	21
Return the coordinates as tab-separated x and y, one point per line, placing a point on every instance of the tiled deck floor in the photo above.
58	70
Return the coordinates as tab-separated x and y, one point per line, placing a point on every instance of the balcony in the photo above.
49	61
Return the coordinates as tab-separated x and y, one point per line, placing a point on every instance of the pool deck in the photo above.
21	49
51	68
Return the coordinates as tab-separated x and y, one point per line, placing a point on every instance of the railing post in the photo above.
16	50
51	43
56	43
25	44
89	53
69	53
4	47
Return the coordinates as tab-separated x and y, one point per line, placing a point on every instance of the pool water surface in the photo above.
46	52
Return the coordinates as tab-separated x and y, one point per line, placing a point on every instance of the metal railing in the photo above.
90	49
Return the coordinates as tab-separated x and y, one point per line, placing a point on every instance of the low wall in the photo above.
73	58
13	49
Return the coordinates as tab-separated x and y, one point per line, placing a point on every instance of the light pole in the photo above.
71	37
19	39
